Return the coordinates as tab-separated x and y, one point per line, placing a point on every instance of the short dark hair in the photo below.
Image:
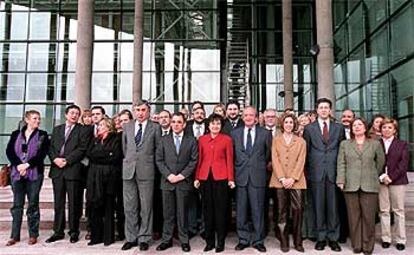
127	112
100	108
72	106
348	109
169	113
365	125
142	102
233	102
323	100
179	114
199	108
215	117
197	102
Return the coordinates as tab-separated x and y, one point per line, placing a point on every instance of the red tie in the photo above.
325	133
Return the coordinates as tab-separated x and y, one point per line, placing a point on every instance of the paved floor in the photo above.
197	244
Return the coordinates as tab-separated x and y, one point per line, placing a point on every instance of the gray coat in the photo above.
168	162
139	159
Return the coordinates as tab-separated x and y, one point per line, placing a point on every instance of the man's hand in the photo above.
196	184
172	178
231	184
340	185
60	162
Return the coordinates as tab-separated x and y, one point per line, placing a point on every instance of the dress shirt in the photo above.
202	128
180	136
144	125
347	133
165	132
252	133
321	121
387	144
272	129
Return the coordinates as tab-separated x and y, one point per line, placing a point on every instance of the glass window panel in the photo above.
378	96
356	27
406	133
340	80
125	87
377	12
339	12
16	56
66	57
127	56
102	87
65	86
11	115
21	5
402	34
19	25
355	69
378	59
205	59
106	25
107	4
68	26
402	80
395	4
38	85
12	86
127	26
3	25
103	56
340	43
45	5
42	27
68	5
205	86
355	99
42	57
302	16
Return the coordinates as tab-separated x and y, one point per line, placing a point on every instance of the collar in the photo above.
253	129
180	135
389	140
321	121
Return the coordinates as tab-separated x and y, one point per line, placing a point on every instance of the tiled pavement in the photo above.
197	244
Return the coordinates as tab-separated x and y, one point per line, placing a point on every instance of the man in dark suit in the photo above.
69	143
139	140
233	119
322	139
252	152
197	126
176	158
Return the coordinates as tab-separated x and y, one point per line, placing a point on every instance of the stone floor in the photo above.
197	245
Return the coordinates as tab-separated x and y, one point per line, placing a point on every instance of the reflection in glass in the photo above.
12	87
11	115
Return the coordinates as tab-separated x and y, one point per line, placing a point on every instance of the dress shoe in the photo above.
74	238
53	238
240	246
32	240
219	248
334	246
128	245
284	249
11	242
143	246
400	246
164	246
320	245
342	240
185	247
90	243
260	247
209	247
108	243
385	245
299	248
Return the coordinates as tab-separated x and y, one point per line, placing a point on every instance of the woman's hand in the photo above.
231	184
196	184
288	183
340	185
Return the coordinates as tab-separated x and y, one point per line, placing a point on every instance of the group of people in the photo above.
172	175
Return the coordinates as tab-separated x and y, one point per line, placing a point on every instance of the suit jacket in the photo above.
288	161
251	169
215	155
139	160
321	157
228	128
397	161
360	169
189	128
75	149
168	162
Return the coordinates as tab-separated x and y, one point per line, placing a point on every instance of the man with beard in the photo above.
233	119
347	117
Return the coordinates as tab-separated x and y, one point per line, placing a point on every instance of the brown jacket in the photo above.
288	160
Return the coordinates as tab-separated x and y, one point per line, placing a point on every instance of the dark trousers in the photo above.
157	226
195	214
102	220
21	189
175	210
325	206
74	191
119	208
214	201
343	216
362	207
250	201
289	200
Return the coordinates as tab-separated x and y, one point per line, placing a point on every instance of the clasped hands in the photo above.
60	162
22	168
287	182
172	178
231	184
386	180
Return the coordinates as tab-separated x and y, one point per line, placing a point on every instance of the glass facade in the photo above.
374	61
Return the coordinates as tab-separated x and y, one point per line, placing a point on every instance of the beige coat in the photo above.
288	161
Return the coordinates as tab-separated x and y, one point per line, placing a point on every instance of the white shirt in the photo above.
321	121
165	131
387	144
273	129
180	136
347	133
144	125
252	133
202	128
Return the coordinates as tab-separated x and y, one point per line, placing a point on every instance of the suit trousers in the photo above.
325	207
138	209
391	198
289	200
102	220
175	210
74	191
158	205
250	198
214	202
119	208
362	207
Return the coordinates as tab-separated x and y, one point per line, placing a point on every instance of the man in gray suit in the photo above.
252	151
176	158
139	141
322	139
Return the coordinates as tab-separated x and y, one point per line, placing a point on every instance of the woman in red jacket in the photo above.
213	174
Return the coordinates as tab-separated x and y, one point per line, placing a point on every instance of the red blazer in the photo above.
215	154
397	161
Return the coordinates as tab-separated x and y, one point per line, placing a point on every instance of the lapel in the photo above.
147	131
257	128
317	130
241	140
355	147
392	145
332	131
74	129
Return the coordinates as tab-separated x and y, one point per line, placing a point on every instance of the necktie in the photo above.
68	129
165	132
249	145
325	133
233	123
177	144
198	131
138	136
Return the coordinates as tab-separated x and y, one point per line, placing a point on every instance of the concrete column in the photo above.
287	53
325	60
138	46
84	53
